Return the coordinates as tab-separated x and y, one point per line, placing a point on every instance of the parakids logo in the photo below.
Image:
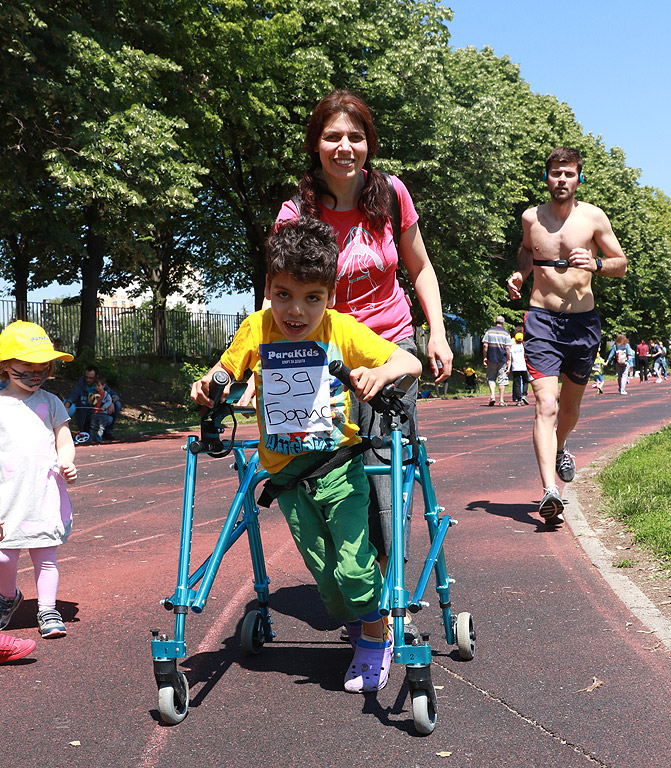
287	354
302	353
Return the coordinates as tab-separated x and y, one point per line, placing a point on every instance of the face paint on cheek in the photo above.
30	378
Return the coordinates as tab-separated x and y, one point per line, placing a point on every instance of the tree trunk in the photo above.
92	266
158	319
257	248
20	272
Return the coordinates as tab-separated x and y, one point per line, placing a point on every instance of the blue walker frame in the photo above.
243	516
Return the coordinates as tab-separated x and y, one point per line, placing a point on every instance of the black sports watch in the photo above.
599	264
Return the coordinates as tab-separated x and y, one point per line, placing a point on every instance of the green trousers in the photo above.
329	523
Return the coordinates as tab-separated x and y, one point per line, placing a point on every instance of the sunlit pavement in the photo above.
564	673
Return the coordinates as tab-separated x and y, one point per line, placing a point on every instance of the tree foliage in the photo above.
151	141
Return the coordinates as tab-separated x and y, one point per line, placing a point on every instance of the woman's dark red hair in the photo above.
374	200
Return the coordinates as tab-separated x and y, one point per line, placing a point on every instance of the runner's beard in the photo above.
560	194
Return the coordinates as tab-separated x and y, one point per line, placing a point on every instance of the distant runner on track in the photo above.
562	331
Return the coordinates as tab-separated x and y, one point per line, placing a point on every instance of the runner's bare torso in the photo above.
573	231
548	238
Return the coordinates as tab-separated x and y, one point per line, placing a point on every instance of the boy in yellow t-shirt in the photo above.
301	413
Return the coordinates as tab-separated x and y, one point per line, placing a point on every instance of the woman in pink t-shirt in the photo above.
341	188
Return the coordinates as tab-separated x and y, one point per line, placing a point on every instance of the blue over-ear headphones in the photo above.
581	178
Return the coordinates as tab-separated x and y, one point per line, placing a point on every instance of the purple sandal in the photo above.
369	670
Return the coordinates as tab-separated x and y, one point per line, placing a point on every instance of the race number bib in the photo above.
295	380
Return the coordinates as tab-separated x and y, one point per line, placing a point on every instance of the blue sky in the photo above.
609	61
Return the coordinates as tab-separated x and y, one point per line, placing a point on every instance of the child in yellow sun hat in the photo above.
36	461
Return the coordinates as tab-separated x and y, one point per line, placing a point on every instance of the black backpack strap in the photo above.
326	463
296	200
394	211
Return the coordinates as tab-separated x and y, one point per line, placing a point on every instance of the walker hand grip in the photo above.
218	383
211	419
338	369
384	400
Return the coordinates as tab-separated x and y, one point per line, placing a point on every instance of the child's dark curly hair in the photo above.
305	249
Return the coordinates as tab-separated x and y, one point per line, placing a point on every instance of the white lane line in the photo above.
60	560
635	600
157	740
137	541
82	465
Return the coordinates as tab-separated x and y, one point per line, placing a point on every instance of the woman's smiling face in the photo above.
342	148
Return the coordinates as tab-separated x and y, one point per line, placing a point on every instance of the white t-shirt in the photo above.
34	502
518	362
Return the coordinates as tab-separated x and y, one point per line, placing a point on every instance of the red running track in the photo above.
547	624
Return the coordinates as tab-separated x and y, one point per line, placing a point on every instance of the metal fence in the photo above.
132	332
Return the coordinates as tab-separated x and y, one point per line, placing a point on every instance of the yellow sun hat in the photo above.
519	337
29	343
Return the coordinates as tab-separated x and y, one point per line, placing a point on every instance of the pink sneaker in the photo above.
369	670
13	648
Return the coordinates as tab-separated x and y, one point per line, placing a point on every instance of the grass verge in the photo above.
637	486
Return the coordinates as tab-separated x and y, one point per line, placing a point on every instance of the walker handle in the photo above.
387	399
218	383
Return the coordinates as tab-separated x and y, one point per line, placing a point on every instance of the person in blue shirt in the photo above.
621	353
79	403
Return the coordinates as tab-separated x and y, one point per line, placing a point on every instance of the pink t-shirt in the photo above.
367	286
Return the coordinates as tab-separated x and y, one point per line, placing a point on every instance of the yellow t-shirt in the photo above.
338	337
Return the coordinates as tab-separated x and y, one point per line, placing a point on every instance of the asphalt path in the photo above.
565	673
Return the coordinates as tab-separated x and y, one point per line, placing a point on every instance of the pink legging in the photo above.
46	574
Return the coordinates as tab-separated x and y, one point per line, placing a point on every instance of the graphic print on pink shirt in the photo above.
358	258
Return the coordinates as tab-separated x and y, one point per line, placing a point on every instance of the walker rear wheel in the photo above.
171	709
423	713
251	635
465	636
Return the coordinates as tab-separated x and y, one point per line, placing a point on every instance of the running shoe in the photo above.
565	464
7	608
552	506
51	624
369	670
524	400
13	648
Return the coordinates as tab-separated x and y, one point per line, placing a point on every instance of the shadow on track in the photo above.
26	615
525	514
320	662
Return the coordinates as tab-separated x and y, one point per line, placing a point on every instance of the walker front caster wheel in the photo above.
423	713
465	635
173	705
252	636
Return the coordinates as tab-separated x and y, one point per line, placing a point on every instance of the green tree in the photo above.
36	238
252	72
104	138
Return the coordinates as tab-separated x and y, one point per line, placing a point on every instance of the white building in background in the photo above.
120	300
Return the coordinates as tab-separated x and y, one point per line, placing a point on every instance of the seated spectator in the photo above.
470	379
103	408
80	407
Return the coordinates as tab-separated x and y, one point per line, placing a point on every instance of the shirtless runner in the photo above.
562	331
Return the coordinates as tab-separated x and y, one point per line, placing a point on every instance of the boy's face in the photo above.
99	387
297	307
